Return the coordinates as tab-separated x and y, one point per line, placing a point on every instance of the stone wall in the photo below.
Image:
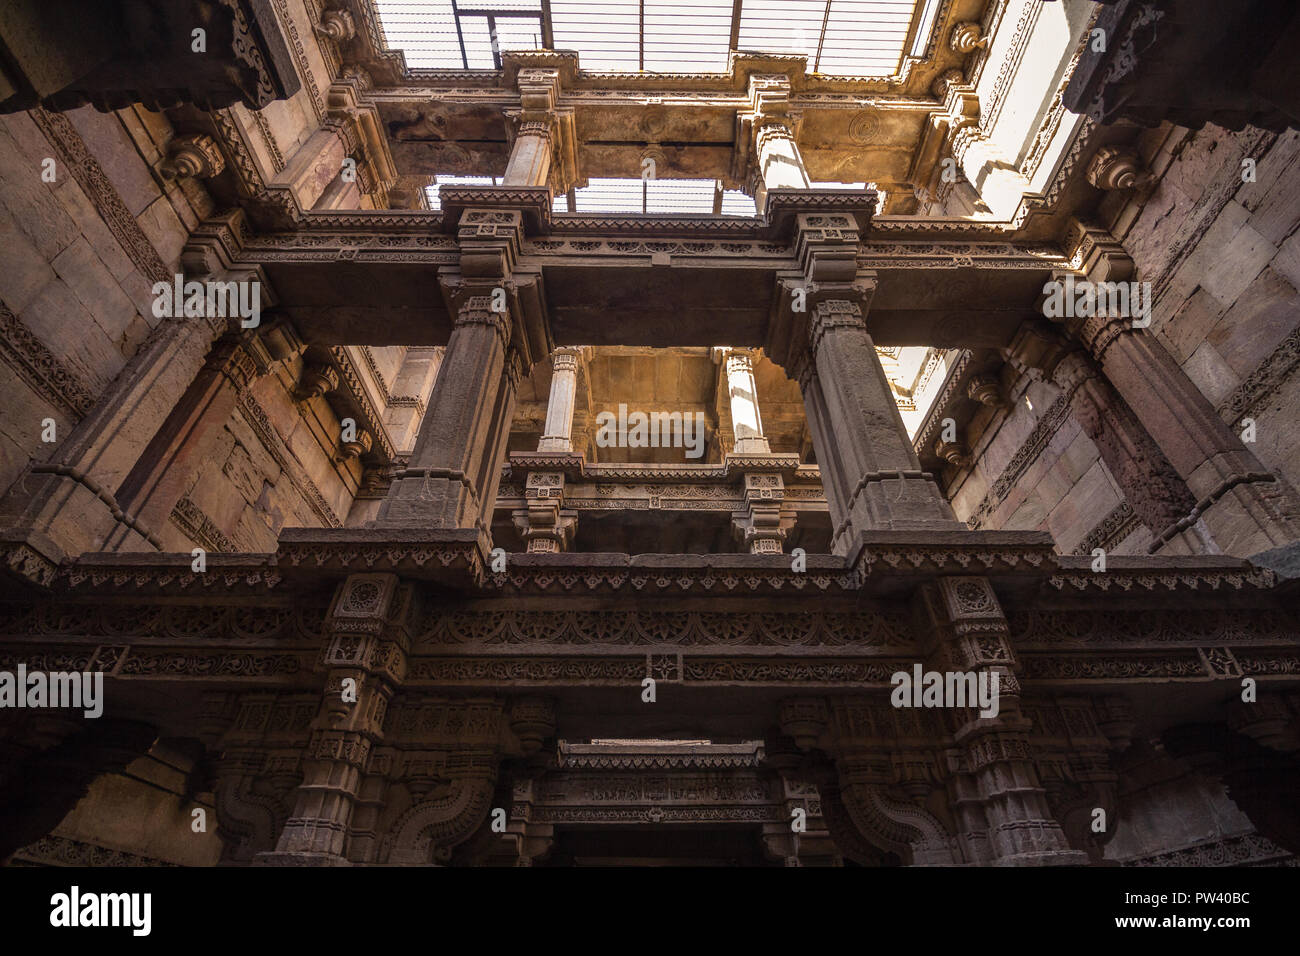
78	257
1223	258
143	816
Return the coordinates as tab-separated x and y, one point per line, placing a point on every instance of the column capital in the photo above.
833	315
569	358
744	357
477	310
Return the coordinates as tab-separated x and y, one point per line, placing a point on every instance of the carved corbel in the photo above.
1117	167
532	720
966	38
358	446
803	719
905	829
954	453
192	155
987	390
433	827
336	25
318	378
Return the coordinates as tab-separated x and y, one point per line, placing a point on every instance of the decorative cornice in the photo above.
77	159
40	368
372	420
1025	456
1267	378
1111	530
56	850
1247	849
199	528
256	417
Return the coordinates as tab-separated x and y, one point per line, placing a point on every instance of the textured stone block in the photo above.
1187	328
1262	316
1232	255
95	288
1211	374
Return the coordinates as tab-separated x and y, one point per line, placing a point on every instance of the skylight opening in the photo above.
661	196
433	195
839	37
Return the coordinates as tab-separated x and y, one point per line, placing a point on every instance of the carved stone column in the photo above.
543	148
746	421
546	525
557	435
453	473
1155	492
71	503
872	477
366	659
1245	508
316	163
766	132
762	527
183	443
967	633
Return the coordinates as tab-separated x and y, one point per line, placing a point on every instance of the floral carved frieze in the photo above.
621	628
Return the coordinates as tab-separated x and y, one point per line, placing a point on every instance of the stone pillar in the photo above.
746	422
872	477
369	612
453	473
410	393
183	443
1155	492
968	634
542	134
780	164
764	524
766	132
1245	508
546	525
65	506
557	435
530	156
316	163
